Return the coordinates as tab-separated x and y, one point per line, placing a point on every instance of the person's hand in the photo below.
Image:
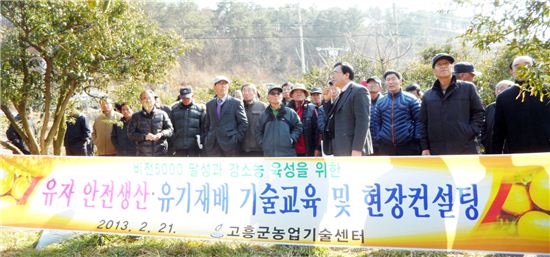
157	137
149	137
356	153
326	93
317	153
426	152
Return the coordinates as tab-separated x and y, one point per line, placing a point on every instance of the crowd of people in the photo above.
343	118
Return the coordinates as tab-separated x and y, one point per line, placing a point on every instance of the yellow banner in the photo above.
487	203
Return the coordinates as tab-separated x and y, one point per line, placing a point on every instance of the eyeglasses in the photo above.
274	93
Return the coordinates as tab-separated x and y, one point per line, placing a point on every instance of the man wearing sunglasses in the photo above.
279	127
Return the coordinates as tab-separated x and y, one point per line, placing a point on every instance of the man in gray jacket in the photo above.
349	118
279	127
254	108
225	123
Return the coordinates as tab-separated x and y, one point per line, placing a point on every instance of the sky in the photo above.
412	5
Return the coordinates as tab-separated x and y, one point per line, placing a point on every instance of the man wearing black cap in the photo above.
451	113
465	71
279	127
316	97
225	123
415	89
188	121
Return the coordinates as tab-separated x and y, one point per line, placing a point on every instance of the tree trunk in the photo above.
58	141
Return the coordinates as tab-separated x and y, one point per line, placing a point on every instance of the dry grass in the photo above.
19	242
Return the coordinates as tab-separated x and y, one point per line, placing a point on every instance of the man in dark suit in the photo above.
522	123
226	122
349	118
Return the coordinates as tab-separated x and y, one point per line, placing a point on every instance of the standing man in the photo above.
451	113
287	87
150	128
226	122
15	139
279	127
465	71
103	126
307	142
374	84
330	92
487	132
522	123
414	89
254	109
188	120
78	134
124	146
316	97
348	119
395	123
159	105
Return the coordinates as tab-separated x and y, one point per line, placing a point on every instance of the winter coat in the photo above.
253	113
451	122
142	123
101	134
188	122
309	123
276	135
78	133
521	125
119	137
396	119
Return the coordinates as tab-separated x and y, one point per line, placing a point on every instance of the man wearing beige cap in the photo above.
225	123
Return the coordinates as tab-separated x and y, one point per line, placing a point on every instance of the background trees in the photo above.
53	50
515	28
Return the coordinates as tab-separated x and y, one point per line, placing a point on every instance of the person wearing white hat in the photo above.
226	122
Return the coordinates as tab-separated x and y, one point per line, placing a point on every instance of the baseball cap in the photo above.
440	56
272	86
185	92
220	78
465	67
375	79
316	90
